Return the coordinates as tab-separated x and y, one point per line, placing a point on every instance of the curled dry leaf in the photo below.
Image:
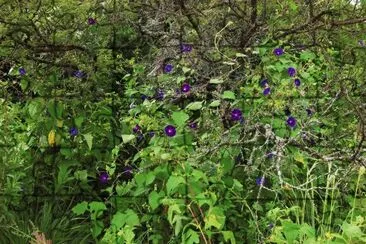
40	238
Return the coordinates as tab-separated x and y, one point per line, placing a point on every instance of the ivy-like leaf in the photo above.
215	218
190	237
89	140
131	218
80	208
229	235
128	138
180	118
154	199
228	95
173	183
118	221
194	106
214	103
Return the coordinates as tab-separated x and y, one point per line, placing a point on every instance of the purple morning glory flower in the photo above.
260	181
170	130
79	74
151	133
266	91
103	177
236	114
185	48
159	94
73	131
291	71
193	125
264	83
186	87
291	121
168	68
143	97
297	82
278	51
136	129
22	71
91	21
309	112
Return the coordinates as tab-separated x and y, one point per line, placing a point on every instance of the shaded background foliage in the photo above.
121	57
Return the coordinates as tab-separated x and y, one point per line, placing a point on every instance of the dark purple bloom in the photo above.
151	133
168	68
79	74
103	177
291	71
270	226
140	137
127	173
291	121
260	181
127	170
312	142
309	112
270	155
264	83
193	125
278	51
185	48
159	94
266	91
22	71
236	114
186	87
170	130
143	97
238	158
73	131
136	129
91	21
297	82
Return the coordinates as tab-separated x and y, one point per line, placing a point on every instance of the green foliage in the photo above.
202	185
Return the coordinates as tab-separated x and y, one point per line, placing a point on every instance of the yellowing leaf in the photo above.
51	138
128	138
228	95
215	103
59	123
299	157
215	217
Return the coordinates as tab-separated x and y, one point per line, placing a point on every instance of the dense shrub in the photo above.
182	121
